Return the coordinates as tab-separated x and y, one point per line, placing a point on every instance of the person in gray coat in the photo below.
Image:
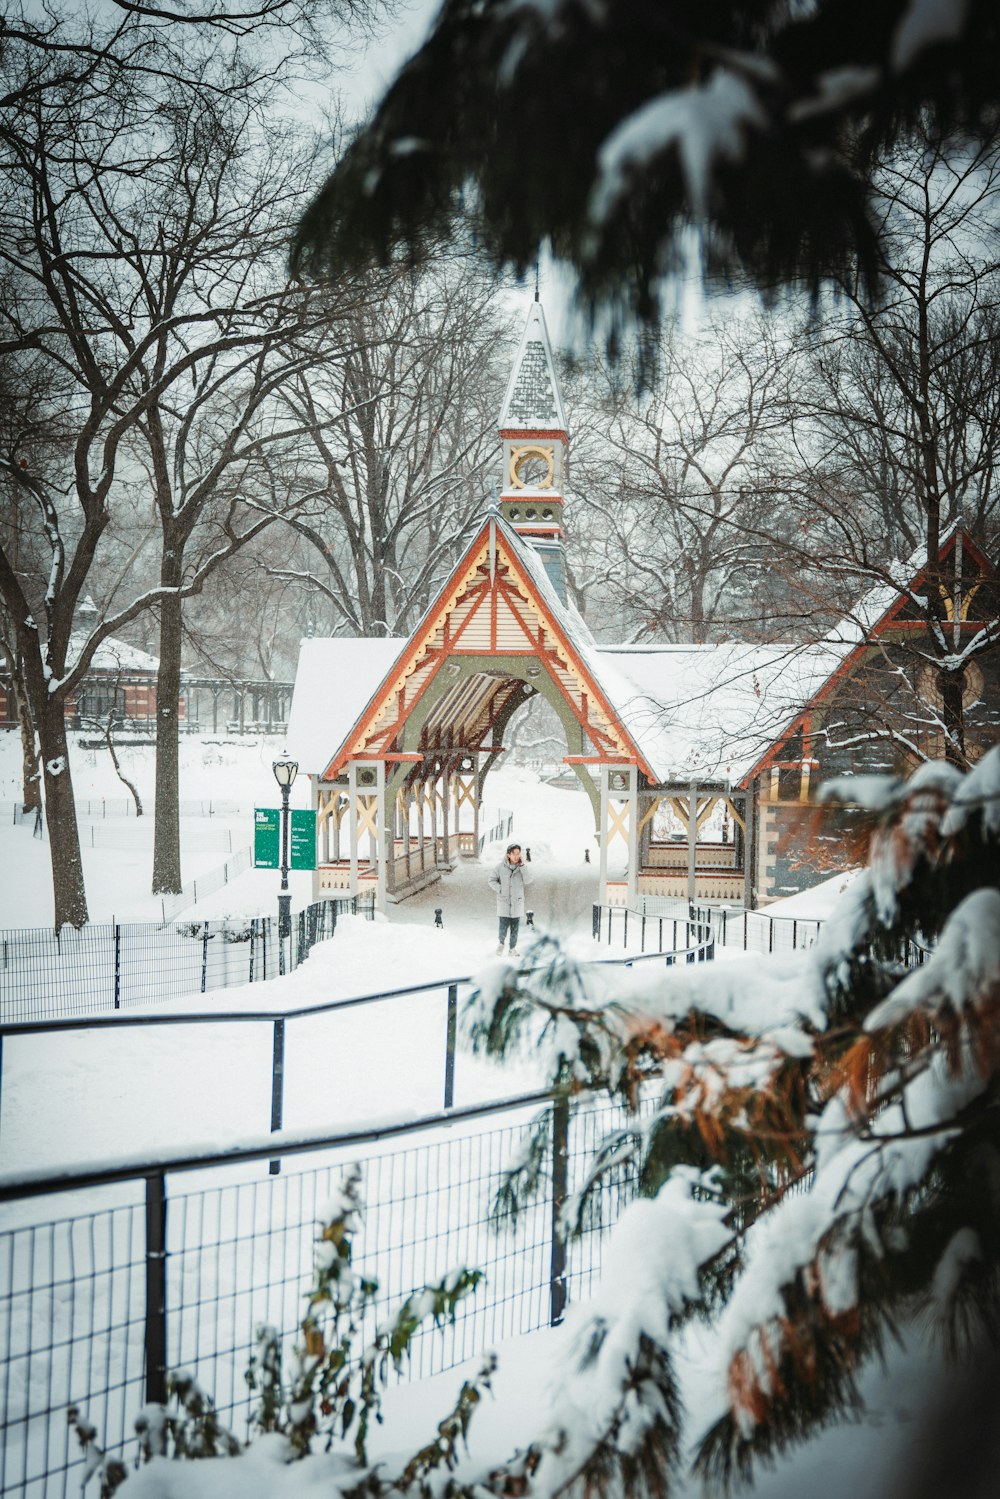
510	879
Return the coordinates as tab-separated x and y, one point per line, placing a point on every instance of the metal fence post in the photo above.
595	922
277	1085
156	1288
118	966
204	958
449	1055
560	1181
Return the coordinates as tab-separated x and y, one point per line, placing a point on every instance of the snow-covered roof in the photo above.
708	712
899	584
335	681
694	712
533	399
112	655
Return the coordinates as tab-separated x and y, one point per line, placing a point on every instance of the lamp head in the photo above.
285	771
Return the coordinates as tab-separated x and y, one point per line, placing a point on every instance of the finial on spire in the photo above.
536	278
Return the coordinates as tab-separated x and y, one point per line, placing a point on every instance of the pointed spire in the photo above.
533	401
535	441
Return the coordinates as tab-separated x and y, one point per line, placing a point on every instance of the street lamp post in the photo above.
285	772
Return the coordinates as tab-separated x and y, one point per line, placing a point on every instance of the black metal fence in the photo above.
105	808
758	931
683	935
310	926
215	879
114	965
280	1021
32	817
501	829
174	1263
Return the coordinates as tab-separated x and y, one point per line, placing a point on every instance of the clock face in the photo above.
532	468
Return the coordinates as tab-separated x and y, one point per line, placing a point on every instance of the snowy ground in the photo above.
170	1088
95	1095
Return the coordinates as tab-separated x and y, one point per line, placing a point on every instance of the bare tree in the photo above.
675	474
899	423
397	478
143	238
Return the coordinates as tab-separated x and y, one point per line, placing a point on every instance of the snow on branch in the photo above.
828	1110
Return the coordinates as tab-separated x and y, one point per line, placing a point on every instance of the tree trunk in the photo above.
69	893
31	786
166	819
953	713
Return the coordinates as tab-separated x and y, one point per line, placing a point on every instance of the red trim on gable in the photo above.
802	720
597	760
478	592
417	644
769	757
581	669
414	645
968	545
534	434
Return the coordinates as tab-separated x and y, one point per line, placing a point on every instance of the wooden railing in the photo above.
425	855
709	884
707	856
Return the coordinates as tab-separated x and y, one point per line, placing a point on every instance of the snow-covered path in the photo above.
93	1094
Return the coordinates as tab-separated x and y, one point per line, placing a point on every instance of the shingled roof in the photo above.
533	401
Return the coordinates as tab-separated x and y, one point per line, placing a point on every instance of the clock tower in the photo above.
534	437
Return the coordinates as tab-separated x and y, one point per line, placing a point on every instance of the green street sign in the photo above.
303	840
266	837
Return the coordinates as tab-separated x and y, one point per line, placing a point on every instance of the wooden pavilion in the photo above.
696	758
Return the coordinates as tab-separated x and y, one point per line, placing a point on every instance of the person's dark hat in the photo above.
511	847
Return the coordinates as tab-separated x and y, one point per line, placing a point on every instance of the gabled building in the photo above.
119	687
697	758
119	684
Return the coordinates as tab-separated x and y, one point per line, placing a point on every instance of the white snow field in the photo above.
239	1238
181	1085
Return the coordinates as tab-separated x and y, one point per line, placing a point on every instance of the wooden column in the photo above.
338	817
633	836
407	812
352	823
445	809
426	813
620	818
382	836
692	841
603	872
